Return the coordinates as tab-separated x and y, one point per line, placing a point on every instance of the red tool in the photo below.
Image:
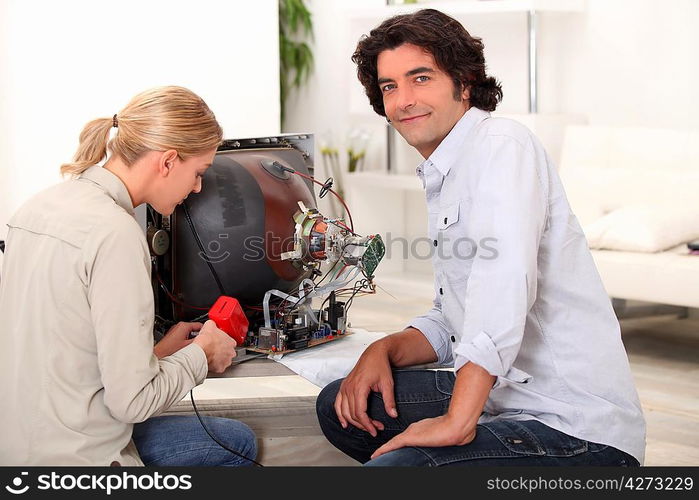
228	315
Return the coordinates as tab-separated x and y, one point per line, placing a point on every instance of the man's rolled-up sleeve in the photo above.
435	329
510	205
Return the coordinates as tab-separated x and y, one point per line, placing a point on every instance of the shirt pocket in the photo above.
448	215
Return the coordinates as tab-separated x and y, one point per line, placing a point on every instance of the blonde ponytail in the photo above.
92	148
158	119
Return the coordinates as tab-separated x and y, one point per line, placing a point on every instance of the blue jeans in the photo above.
421	394
182	441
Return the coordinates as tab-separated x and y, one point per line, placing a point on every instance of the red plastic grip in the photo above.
228	315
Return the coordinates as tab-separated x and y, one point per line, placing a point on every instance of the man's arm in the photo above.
458	426
510	207
407	348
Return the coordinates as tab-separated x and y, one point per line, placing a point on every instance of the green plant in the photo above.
295	56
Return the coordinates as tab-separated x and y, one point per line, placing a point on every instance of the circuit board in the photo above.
311	343
373	255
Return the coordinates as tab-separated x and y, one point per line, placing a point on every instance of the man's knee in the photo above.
325	403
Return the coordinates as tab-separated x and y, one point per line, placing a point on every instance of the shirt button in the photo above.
435	242
445	220
441	291
453	339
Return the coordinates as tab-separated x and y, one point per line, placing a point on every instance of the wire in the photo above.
362	284
349	214
152	212
342	226
324	190
185	209
199	318
336	275
175	299
328	272
191	395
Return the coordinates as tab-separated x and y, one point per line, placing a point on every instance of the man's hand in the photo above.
218	346
175	339
371	373
432	432
458	426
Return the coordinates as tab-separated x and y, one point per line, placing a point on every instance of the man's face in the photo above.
419	98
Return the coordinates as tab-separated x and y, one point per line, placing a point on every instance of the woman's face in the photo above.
184	177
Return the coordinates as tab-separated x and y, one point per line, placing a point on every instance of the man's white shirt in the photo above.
517	290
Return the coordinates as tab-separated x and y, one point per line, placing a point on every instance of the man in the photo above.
540	373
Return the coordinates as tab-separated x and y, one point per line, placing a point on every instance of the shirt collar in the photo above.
111	184
449	149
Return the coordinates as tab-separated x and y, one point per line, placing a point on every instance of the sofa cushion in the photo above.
669	277
650	227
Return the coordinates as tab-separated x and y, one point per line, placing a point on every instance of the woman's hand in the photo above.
175	339
218	346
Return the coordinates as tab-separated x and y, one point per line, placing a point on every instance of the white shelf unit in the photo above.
454	7
394	207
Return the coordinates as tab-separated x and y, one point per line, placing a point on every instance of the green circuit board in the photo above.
373	255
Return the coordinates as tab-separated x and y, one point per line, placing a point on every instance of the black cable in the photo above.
323	303
185	209
362	284
327	186
152	213
201	247
191	395
287	310
199	318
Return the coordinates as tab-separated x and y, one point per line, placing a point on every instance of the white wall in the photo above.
624	63
63	63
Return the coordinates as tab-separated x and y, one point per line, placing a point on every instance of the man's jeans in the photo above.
424	394
182	441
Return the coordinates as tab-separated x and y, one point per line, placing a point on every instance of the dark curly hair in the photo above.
455	51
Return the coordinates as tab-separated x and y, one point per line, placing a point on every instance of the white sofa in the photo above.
605	168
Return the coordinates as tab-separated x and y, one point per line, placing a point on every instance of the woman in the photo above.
78	362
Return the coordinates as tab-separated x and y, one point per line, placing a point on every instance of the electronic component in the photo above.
158	240
254	235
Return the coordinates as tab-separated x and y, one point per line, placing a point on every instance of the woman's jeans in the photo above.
182	441
421	394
